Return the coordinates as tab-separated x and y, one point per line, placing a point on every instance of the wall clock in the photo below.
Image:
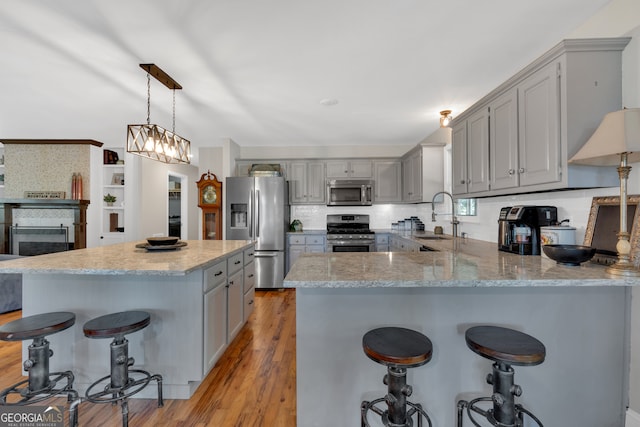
210	201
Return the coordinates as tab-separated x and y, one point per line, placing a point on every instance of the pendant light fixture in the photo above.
153	141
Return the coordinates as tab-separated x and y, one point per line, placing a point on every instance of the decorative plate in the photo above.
149	247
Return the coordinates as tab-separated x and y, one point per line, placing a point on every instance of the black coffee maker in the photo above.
519	228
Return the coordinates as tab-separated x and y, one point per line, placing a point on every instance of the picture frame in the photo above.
117	179
603	226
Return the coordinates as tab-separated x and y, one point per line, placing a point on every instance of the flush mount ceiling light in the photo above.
153	141
445	118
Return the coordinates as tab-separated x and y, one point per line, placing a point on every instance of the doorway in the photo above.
177	210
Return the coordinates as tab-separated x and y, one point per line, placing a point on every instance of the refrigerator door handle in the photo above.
257	214
250	214
265	255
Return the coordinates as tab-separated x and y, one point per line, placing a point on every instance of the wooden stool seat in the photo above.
505	345
37	326
116	324
393	346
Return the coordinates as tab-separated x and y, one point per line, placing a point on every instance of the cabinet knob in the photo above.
521	170
511	171
462	181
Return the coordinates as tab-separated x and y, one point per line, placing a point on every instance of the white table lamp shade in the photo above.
619	132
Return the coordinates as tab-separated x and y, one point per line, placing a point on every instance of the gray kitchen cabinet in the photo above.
387	176
306	182
503	141
306	242
249	282
539	126
422	173
235	293
215	313
537	120
470	151
349	169
382	242
459	157
400	244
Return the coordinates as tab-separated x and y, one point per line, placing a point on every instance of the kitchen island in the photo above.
579	313
194	295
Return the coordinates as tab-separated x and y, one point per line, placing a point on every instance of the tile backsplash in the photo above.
572	205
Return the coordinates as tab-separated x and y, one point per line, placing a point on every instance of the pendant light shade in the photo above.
153	141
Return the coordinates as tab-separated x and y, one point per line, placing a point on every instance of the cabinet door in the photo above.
503	141
412	177
360	168
337	169
235	304
294	252
298	182
478	151
215	325
538	127
316	185
387	181
459	158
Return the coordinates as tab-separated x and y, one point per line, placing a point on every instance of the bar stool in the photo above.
41	384
397	349
505	347
120	386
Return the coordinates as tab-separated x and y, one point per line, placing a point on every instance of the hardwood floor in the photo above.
253	384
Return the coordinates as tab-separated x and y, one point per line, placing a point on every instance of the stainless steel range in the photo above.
349	233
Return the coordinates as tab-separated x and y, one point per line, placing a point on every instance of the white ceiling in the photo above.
255	70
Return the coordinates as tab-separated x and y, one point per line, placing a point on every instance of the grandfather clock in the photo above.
210	201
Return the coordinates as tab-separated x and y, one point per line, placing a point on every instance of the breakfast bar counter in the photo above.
579	312
189	328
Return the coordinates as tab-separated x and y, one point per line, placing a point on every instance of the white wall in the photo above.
153	193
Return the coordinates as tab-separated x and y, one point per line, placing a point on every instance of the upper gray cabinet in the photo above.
423	171
306	182
349	169
519	137
387	176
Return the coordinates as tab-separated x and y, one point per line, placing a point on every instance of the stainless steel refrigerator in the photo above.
257	208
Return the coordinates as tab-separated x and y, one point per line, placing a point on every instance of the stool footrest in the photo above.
119	393
34	396
416	408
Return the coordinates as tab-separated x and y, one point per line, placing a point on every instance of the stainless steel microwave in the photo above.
349	192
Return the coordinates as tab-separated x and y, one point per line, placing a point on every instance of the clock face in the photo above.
209	195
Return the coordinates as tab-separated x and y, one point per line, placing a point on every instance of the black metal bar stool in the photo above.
505	347
41	384
398	349
120	385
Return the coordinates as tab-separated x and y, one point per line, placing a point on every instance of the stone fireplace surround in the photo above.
45	165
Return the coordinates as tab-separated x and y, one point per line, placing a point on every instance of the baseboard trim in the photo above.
632	419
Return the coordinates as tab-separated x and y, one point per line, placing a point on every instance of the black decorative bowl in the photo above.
162	241
569	254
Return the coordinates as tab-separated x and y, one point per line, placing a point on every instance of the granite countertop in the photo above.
125	258
455	263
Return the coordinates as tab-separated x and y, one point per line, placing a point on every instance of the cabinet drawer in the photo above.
382	239
249	299
234	263
297	239
249	254
215	275
249	276
314	240
314	248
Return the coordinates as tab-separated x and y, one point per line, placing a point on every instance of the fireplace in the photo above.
28	241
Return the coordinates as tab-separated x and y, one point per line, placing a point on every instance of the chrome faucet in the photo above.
454	220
